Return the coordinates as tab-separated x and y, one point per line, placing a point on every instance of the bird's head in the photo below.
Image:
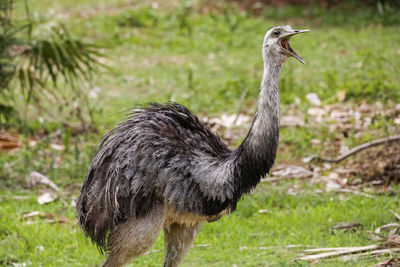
276	43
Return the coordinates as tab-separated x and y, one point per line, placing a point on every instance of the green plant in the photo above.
40	58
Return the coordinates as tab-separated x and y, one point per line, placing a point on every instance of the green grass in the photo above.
205	61
246	238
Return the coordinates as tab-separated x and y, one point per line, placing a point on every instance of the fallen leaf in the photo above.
226	121
309	158
316	112
395	214
347	226
230	120
341	95
9	142
313	99
331	185
263	211
333	175
57	147
291	171
49	217
32	214
315	141
38	178
387	263
47	197
386	227
15	264
73	201
291	121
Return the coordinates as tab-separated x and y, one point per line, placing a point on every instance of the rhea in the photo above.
164	169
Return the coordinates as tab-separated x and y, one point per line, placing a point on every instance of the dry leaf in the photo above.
387	226
263	211
230	120
332	185
73	201
309	158
390	262
49	217
291	171
57	147
313	99
46	197
291	121
226	121
395	214
333	176
32	214
341	95
347	226
332	252
38	178
9	142
315	141
318	113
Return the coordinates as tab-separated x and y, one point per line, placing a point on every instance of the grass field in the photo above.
205	60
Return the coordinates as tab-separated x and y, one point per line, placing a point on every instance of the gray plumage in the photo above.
165	169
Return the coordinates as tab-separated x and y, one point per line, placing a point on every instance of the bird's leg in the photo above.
177	240
134	237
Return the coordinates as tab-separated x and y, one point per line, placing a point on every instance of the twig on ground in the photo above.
389	262
313	250
344	251
347	226
276	179
369	253
395	214
385	244
359	148
386	226
346	190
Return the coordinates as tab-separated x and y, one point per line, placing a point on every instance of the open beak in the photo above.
286	46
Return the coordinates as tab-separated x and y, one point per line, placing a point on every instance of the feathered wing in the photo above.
162	153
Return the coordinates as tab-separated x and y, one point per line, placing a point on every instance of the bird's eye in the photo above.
277	33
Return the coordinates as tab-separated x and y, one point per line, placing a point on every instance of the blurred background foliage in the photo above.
47	71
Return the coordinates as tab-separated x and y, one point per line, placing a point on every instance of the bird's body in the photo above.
165	169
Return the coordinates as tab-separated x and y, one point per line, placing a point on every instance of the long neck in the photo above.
254	157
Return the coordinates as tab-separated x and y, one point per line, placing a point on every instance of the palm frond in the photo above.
60	57
41	56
